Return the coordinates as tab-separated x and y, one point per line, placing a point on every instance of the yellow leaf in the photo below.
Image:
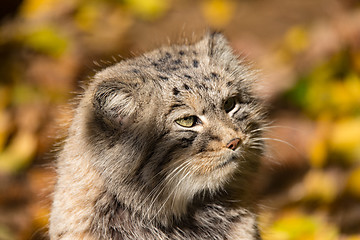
294	225
148	9
318	152
345	138
4	97
345	95
33	8
19	153
318	147
218	12
353	183
46	39
5	123
352	85
356	60
317	99
296	39
86	16
354	237
320	186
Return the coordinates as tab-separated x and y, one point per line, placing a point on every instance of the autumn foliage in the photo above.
309	53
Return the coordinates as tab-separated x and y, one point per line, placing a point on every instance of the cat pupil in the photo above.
229	105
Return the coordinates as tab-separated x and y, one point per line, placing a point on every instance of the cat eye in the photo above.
229	104
188	122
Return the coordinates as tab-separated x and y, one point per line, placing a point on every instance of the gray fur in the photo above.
128	171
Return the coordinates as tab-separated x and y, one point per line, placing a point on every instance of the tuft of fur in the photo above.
128	170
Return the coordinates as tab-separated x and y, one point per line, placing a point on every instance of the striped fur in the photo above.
129	171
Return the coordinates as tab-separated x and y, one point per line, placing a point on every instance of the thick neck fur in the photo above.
204	219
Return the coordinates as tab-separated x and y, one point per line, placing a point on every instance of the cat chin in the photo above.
219	176
207	177
209	172
223	162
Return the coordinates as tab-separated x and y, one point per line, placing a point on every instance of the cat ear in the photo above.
114	102
218	48
216	43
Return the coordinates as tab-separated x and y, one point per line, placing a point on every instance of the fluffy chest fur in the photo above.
162	147
209	221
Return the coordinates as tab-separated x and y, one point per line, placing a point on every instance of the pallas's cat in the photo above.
163	146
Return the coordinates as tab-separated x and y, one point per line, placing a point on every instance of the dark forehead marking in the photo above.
229	83
195	63
158	84
176	61
173	68
187	76
204	86
186	87
163	77
201	86
214	74
163	59
176	91
143	78
181	52
176	105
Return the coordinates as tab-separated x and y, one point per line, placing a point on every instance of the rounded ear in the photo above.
114	102
217	44
218	49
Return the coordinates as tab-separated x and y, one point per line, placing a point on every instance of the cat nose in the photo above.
233	144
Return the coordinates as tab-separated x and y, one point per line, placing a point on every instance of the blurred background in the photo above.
309	55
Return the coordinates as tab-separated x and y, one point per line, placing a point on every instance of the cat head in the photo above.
175	122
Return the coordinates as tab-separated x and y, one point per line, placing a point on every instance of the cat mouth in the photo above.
227	162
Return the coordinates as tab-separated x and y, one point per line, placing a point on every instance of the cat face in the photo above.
176	121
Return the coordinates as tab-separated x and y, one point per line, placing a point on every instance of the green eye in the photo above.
187	121
229	104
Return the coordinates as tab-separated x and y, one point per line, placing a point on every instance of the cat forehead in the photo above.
207	65
188	79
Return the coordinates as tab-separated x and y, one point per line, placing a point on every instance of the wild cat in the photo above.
163	146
